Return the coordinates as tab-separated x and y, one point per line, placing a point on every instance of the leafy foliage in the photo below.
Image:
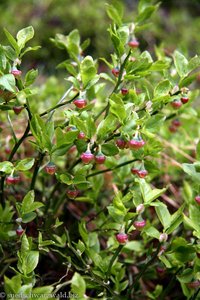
75	176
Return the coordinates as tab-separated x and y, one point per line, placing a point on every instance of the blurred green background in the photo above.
176	25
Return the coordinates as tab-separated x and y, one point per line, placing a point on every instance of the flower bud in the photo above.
18	220
140	208
163	237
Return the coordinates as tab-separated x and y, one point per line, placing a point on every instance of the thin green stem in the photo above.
131	223
112	136
171	283
111	169
7	266
36	169
115	255
93	277
17	145
119	81
117	251
121	71
14	150
139	275
25	135
195	294
96	215
48	202
11	127
170	117
2	190
100	113
60	103
74	164
59	202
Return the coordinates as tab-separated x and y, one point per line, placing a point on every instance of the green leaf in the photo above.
28	49
75	81
194	63
65	178
134	246
79	179
24	35
30	77
7	82
83	232
81	125
78	285
142	5
194	215
39	292
40	132
81	246
187	80
163	214
154	123
187	192
24	245
10	53
165	261
25	164
44	243
116	213
117	107
28	204
190	223
60	150
71	69
183	251
162	88
85	44
117	40
12	285
12	41
31	261
118	203
109	149
123	33
159	65
176	220
3	53
198	151
110	67
91	126
146	13
154	194
106	126
4	108
72	43
65	138
181	64
88	70
6	167
152	231
148	193
190	169
186	276
28	200
143	63
34	206
26	218
115	13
